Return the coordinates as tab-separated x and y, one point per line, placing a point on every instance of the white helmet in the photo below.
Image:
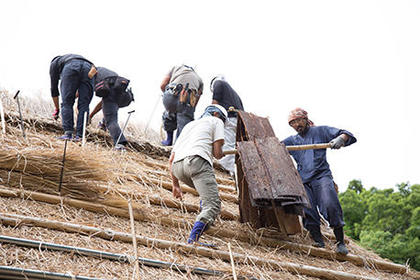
216	78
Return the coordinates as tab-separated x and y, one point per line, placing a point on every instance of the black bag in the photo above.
120	84
125	98
116	83
103	88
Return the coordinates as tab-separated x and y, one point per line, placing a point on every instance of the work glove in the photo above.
56	114
337	143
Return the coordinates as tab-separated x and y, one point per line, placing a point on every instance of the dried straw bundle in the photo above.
39	169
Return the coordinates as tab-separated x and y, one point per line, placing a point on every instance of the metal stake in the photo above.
151	115
122	131
20	113
84	129
62	167
3	122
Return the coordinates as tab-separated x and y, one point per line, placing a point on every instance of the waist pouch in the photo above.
118	84
125	98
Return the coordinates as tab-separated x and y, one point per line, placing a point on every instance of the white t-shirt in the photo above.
197	138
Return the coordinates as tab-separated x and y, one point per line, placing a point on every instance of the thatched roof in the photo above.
91	212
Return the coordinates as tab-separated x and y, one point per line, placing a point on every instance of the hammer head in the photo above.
16	95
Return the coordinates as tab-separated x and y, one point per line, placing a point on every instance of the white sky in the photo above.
350	64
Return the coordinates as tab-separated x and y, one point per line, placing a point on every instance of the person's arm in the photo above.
176	189
165	82
217	148
55	76
97	108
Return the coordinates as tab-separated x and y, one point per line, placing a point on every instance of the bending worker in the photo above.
76	73
191	162
316	175
181	88
226	96
111	102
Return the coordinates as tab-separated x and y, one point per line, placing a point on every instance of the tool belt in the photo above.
172	92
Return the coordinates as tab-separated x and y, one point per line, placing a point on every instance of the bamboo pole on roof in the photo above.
133	233
171	203
245	236
184	248
219	180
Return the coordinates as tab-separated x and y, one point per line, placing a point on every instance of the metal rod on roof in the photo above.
22	273
105	255
3	122
22	125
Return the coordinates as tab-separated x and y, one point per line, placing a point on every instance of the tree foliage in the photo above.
386	221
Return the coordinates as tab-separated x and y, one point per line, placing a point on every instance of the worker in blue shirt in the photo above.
316	175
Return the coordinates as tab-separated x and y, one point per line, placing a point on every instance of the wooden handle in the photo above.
308	147
292	148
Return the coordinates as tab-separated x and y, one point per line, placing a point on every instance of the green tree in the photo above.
354	210
388	221
356	185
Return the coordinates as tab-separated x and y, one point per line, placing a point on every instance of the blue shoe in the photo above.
169	139
196	232
65	137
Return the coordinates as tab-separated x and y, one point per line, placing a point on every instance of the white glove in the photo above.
337	142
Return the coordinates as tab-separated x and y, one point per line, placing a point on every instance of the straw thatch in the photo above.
97	184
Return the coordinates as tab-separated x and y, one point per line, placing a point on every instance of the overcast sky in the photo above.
350	64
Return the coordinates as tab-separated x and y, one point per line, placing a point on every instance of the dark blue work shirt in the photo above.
226	96
57	65
312	164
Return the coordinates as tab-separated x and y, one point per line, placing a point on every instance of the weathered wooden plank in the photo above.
254	171
266	185
255	127
247	212
285	180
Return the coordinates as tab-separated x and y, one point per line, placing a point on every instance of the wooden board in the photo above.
271	192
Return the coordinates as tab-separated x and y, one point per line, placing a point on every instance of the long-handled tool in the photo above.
62	167
20	113
293	148
152	114
122	131
3	121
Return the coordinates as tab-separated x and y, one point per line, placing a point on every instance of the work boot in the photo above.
169	139
101	125
66	136
341	246
316	235
196	232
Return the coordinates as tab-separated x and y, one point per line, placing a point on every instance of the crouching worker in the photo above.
191	162
316	175
113	90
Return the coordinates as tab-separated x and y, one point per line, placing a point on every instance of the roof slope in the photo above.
92	212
